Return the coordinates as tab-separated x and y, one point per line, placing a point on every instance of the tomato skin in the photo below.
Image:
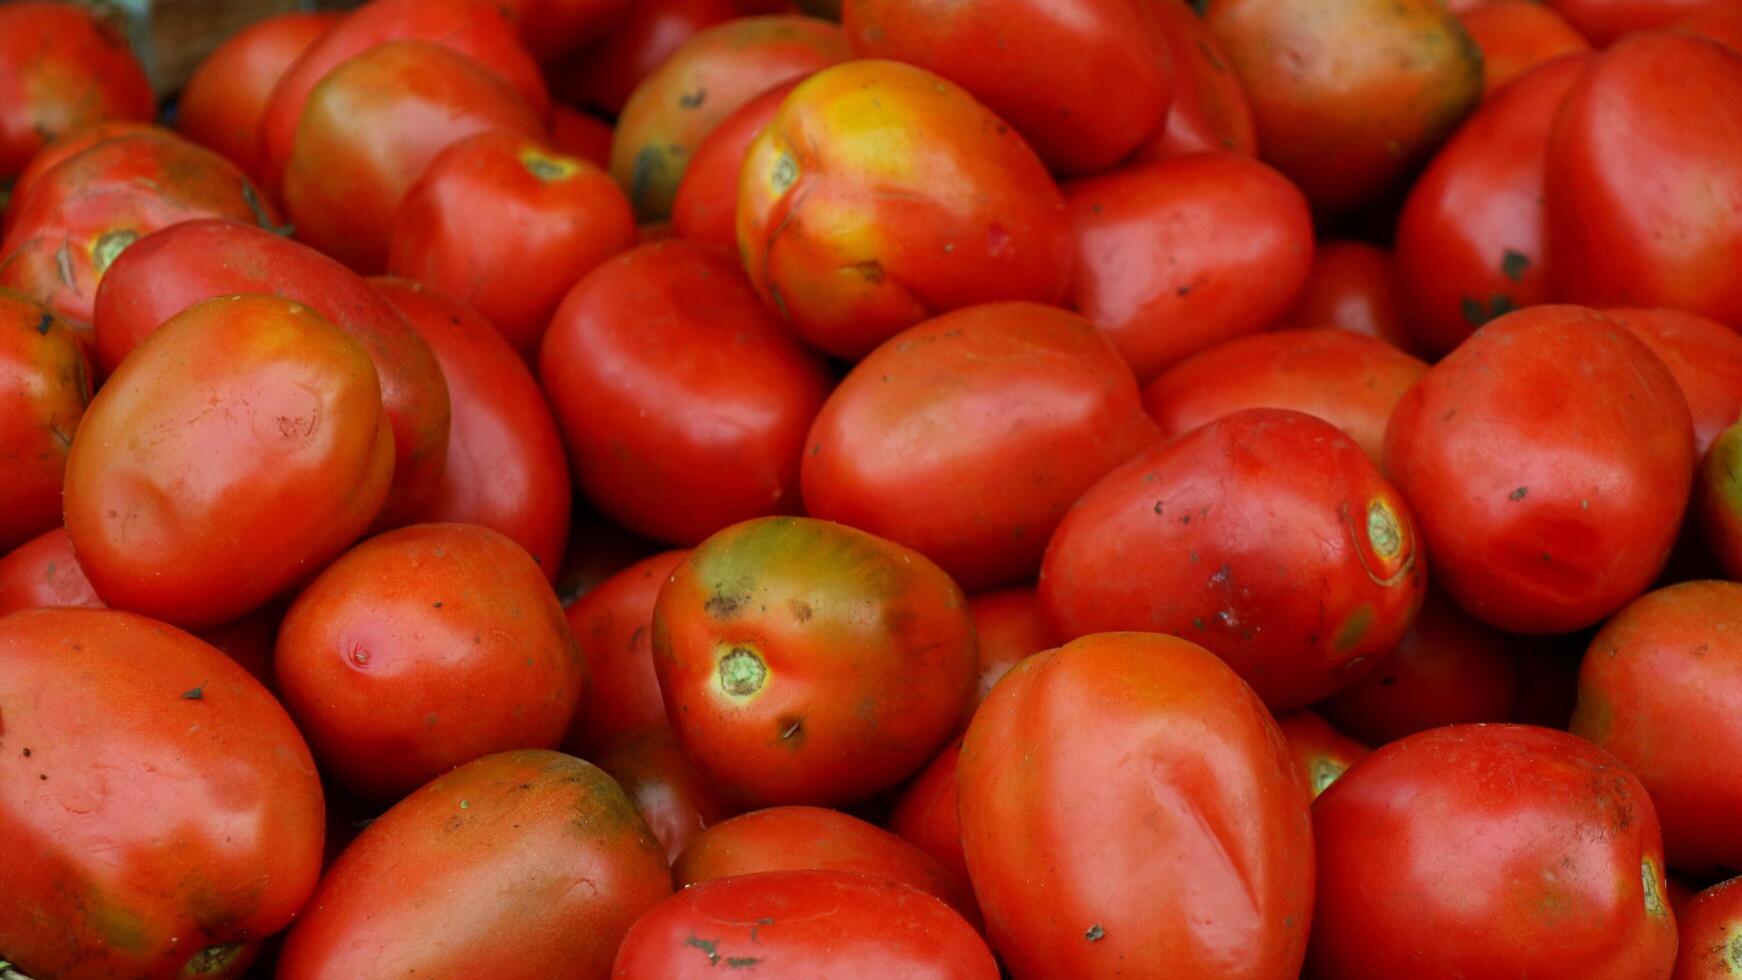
853	238
1189	846
46	386
1549	460
602	76
1516	36
664	787
43	572
551	29
1009	625
1623	227
1706	358
541	862
683	403
1212	536
1177	256
1353	286
790	653
1209	110
1608	21
999	416
612	625
170	811
1709	925
1720	500
1720	20
705	207
1350	381
68	144
926	816
1321	753
581	134
62	67
1489	851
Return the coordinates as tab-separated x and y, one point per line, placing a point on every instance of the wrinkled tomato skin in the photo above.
1321	753
651	768
1489	851
998	416
581	134
551	29
68	144
1082	114
504	467
422	649
1350	381
1209	110
1549	461
62	67
1215	537
269	455
612	626
1190	845
1353	286
705	207
1471	241
1633	191
1706	358
1177	256
45	384
43	572
683	403
926	815
1661	689
1720	500
1711	924
170	811
166	273
852	238
1009	625
603	75
808	662
1516	36
540	859
1608	21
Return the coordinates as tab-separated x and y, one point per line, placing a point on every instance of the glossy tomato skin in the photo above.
170	812
541	862
422	649
603	75
46	386
808	662
1267	536
1321	753
852	238
683	403
1353	286
1350	381
1660	688
663	786
1009	625
1720	500
998	416
1516	36
1209	110
1706	358
62	67
926	815
1489	851
1177	256
269	455
1548	460
1190	845
804	924
43	572
1081	114
612	625
705	207
1710	925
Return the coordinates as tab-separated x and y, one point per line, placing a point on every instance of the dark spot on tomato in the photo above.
636	637
740	962
1185	290
721	605
213	959
1518	494
43	324
791	731
1513	264
801	610
27	753
194	694
870	270
435	605
1158	506
1095	933
689	100
709	947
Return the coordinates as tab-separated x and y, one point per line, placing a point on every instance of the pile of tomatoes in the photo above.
885	489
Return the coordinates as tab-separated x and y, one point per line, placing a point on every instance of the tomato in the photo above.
507	225
62	67
1083	113
1489	851
1607	21
1711	926
705	80
1516	36
540	862
1720	500
1177	256
1661	688
551	29
166	273
1706	358
926	816
1549	460
162	812
1209	110
1353	286
581	134
1720	20
43	572
1266	535
602	76
1321	753
998	416
663	786
1471	239
683	403
268	455
611	625
853	237
1188	845
505	468
803	924
808	662
69	144
1633	195
705	207
1350	381
1008	626
45	384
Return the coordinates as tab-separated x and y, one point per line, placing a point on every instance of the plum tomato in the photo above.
1209	110
1009	626
69	144
602	75
807	662
651	768
705	207
1321	753
612	626
62	67
1720	500
1516	36
43	572
1706	358
925	815
45	384
551	29
1711	934
1353	286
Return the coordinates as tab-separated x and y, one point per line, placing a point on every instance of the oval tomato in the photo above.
1710	925
43	572
1706	358
1353	286
1009	626
603	75
65	146
705	207
1321	753
1209	110
1516	36
663	786
62	67
1720	500
45	384
612	626
926	815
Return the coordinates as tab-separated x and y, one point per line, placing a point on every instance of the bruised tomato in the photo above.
662	784
61	67
1711	933
1706	358
1352	286
1321	753
1720	500
45	383
43	572
705	207
1516	36
612	626
1209	110
926	816
1009	625
603	75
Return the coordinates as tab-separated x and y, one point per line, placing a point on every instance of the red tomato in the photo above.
1177	256
662	785
807	662
1549	461
1516	36
43	572
611	625
1706	358
803	924
602	76
1720	20
1350	381
1321	753
1489	851
581	134
551	29
539	861
1188	845
1209	110
683	402
705	207
925	815
268	455
162	813
45	384
1710	925
997	416
853	237
1353	286
1267	536
1607	21
1720	500
62	67
62	147
1008	626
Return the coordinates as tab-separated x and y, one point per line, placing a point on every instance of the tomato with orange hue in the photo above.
1608	21
45	384
551	29
705	207
662	784
1209	110
62	67
1711	933
43	572
581	134
1516	36
1321	753
612	626
926	816
1720	500
1353	286
1706	358
1009	626
602	76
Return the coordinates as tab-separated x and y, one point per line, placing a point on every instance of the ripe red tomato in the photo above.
1607	21
1709	950
43	572
808	662
926	816
1706	358
1549	461
602	76
1720	500
998	416
705	207
1177	256
663	786
1353	286
1267	536
1516	36
551	29
540	862
1321	753
612	626
61	67
1720	20
1187	845
1009	626
45	384
162	813
581	134
69	144
1489	851
1209	110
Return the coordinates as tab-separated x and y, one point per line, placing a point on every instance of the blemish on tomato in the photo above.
741	671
